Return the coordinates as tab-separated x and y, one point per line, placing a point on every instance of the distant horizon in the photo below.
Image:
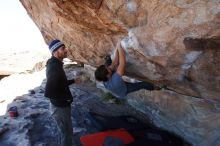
18	31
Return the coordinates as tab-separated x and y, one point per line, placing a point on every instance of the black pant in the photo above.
132	87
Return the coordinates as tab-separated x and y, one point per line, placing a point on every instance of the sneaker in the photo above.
160	87
157	88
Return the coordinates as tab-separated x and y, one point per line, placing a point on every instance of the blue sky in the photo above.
17	31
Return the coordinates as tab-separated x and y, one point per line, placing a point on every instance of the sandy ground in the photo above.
20	61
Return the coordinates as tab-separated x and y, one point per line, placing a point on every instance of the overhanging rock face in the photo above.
171	42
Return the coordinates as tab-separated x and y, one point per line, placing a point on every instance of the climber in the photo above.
111	75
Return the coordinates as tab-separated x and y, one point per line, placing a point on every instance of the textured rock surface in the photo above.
197	120
173	42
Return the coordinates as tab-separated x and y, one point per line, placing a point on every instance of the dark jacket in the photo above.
57	86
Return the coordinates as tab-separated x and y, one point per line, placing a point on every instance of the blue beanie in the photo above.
54	45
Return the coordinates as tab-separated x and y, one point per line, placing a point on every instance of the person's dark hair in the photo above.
101	73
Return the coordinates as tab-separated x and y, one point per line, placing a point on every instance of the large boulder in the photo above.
172	42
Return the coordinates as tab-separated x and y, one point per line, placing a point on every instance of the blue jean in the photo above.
132	87
62	116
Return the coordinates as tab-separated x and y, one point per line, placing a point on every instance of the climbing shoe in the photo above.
160	87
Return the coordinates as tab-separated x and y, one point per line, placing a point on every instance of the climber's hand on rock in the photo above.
118	46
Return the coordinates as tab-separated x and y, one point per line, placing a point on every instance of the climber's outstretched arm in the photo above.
122	59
